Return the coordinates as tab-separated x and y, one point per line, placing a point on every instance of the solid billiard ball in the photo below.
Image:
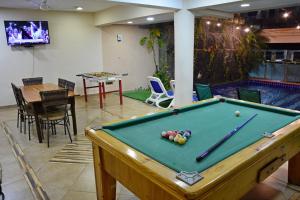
171	137
181	140
237	113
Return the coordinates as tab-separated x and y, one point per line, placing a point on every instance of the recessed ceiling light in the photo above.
244	5
130	22
208	22
298	27
237	28
150	18
286	15
79	8
247	30
219	24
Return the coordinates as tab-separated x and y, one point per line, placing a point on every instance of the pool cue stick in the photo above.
226	137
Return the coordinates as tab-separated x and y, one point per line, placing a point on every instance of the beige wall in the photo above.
127	56
75	48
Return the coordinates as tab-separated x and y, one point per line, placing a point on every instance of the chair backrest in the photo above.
32	81
156	85
18	96
62	83
54	98
203	91
172	85
70	85
249	95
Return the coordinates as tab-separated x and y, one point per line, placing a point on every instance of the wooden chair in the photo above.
203	91
249	95
32	81
25	111
62	83
20	108
58	99
70	85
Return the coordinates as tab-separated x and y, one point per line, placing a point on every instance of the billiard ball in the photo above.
186	134
181	140
163	134
176	138
171	137
237	113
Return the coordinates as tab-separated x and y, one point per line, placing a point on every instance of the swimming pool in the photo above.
272	93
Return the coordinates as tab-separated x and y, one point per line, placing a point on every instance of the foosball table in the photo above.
101	79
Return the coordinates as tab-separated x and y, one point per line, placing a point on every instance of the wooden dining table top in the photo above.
31	93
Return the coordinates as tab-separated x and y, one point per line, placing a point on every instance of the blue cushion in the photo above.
170	93
156	87
195	98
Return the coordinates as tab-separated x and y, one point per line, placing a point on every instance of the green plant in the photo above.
163	75
150	41
250	53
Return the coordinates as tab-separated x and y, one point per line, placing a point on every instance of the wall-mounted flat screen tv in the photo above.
26	33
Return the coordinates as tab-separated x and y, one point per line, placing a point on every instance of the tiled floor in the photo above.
65	181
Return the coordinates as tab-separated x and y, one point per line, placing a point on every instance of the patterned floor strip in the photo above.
30	177
80	151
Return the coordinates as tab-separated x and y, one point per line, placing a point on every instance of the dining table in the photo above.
31	94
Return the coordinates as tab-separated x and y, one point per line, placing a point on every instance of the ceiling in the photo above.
224	9
60	5
255	5
97	5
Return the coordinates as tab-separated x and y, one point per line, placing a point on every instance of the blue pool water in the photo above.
276	94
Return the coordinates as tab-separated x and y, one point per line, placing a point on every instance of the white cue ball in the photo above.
237	113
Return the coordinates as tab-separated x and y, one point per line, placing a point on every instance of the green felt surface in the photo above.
209	122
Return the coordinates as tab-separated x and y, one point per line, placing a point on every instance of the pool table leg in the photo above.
294	170
105	183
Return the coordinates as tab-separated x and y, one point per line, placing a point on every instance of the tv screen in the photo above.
26	32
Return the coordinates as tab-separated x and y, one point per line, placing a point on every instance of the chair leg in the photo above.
42	128
48	131
52	130
66	125
68	118
21	116
18	118
66	122
24	124
29	124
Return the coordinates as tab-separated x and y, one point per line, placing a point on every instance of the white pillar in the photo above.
184	56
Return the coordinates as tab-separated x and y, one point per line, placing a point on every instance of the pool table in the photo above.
134	153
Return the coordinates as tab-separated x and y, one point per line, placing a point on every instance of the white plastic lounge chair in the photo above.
158	92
